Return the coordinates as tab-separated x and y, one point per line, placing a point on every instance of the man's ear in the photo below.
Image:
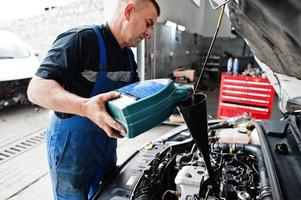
128	10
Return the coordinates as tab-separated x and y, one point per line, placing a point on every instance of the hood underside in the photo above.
272	29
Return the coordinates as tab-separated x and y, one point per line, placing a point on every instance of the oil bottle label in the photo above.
143	89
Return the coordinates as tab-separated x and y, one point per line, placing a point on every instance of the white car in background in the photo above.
17	64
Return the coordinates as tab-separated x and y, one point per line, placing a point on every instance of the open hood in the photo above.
272	31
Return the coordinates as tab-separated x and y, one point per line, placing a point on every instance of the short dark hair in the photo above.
154	2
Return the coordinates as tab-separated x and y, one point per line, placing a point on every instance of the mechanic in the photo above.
76	79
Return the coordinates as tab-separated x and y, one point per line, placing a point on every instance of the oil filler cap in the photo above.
281	148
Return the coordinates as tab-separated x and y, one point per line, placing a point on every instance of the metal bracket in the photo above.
218	5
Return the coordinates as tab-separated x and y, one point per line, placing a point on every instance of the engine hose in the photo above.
170	195
255	150
143	197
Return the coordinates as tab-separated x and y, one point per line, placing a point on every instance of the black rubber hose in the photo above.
255	150
143	197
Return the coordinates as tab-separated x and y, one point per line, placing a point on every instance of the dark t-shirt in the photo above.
73	61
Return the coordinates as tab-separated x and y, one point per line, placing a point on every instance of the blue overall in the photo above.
80	154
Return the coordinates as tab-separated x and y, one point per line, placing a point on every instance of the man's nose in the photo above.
148	32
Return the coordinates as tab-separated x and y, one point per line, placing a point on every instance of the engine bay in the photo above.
255	160
180	173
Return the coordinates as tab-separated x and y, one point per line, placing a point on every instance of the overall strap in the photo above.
102	61
102	48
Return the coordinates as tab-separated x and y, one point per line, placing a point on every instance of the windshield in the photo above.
11	50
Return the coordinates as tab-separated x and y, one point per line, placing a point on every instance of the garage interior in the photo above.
180	47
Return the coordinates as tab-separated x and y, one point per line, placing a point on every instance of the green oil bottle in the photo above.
145	104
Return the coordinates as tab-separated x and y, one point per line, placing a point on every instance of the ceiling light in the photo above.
181	28
171	24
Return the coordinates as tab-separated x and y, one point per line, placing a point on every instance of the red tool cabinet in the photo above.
245	94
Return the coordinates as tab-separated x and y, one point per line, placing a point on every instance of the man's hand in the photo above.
60	100
95	110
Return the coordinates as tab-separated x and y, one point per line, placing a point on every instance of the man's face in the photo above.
140	24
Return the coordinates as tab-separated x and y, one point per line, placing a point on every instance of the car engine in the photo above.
175	169
236	176
250	160
182	174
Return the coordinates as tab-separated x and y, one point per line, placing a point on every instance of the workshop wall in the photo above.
173	48
39	32
201	20
170	49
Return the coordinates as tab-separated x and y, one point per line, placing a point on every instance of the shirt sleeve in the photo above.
62	60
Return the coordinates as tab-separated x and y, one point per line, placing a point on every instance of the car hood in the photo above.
19	68
272	31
